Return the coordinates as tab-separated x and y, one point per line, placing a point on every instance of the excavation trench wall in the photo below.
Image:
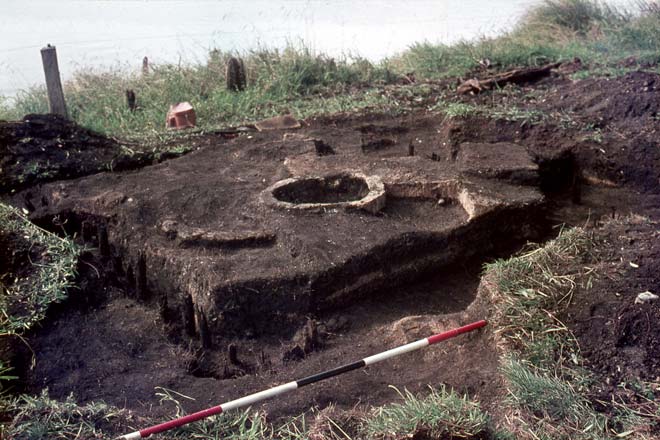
400	261
186	297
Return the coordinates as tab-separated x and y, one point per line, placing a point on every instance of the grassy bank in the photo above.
548	385
43	267
304	83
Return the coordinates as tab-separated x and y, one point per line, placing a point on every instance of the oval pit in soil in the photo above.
345	191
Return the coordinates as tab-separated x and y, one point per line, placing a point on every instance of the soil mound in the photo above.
635	95
608	127
619	141
43	148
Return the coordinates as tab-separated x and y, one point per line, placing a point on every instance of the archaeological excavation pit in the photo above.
232	268
213	277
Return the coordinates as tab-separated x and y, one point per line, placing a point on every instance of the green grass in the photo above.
440	414
25	299
458	109
294	81
299	81
554	31
42	418
48	282
500	110
553	406
536	287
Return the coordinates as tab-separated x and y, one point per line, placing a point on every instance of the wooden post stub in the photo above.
56	101
235	75
188	315
145	66
233	354
104	245
204	333
141	278
131	100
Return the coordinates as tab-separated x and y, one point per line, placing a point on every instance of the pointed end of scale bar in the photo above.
132	436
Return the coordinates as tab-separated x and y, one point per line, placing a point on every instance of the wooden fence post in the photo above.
53	83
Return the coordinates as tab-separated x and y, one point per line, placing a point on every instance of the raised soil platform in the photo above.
247	236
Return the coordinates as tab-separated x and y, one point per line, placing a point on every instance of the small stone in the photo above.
169	228
441	202
645	297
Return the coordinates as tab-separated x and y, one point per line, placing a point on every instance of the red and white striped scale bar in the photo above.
281	389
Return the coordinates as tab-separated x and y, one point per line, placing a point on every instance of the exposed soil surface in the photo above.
194	229
611	125
198	286
44	148
119	351
334	286
618	337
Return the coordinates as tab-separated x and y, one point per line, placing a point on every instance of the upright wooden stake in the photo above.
53	83
131	100
411	149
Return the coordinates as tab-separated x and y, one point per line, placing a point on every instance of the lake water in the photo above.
119	33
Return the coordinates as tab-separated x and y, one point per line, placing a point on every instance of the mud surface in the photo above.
197	286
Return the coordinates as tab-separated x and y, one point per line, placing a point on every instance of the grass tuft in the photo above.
544	395
42	418
440	414
24	302
580	16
